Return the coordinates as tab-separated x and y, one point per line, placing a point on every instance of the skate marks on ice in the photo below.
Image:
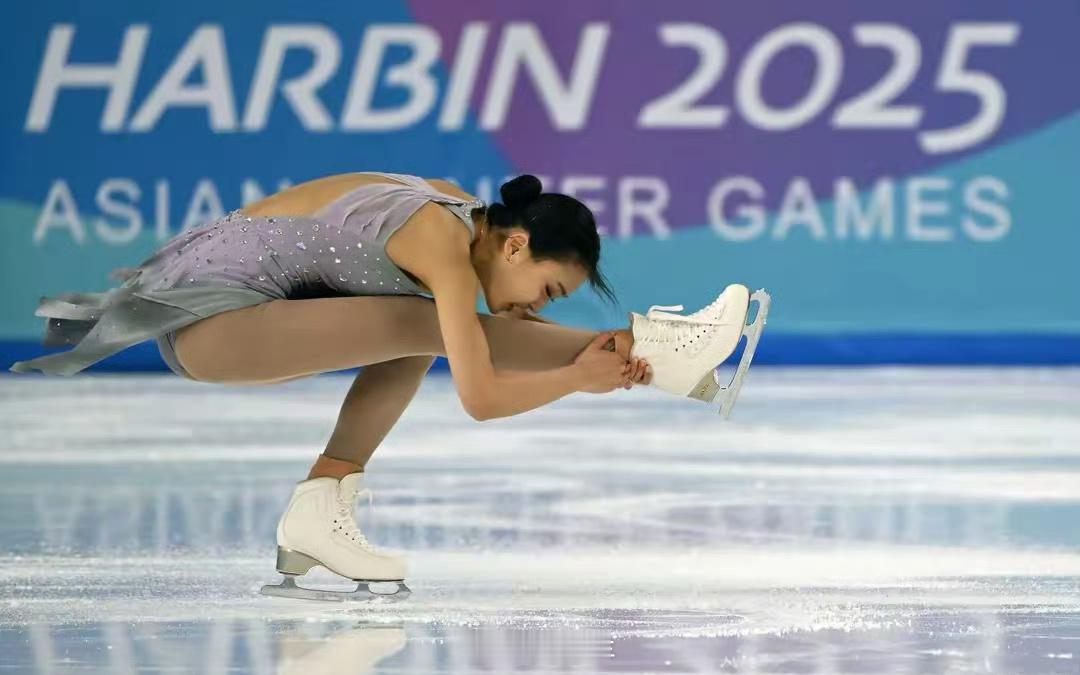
923	540
826	415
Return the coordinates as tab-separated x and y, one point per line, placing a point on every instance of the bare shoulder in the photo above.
449	188
304	198
430	242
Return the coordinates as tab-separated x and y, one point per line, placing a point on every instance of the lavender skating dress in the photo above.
238	261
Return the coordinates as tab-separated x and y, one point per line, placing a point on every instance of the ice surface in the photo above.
862	520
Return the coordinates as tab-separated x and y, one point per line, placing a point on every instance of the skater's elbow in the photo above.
490	407
481	414
480	408
476	392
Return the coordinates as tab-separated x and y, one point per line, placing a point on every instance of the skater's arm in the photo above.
485	392
444	266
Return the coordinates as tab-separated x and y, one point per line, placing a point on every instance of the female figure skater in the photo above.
376	270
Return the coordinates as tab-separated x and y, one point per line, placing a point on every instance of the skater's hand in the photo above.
640	372
600	367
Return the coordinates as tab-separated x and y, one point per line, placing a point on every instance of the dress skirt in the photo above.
101	324
166	292
238	261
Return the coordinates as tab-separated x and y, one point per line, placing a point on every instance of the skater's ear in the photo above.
515	245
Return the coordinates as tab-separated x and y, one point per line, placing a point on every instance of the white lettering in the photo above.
206	49
799	208
879	211
299	91
919	206
754	215
415	75
205	205
1001	218
59	211
57	72
522	45
650	209
463	77
126	210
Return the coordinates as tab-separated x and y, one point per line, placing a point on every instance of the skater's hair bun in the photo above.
560	227
516	194
519	192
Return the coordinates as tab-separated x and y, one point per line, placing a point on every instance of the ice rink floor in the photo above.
864	520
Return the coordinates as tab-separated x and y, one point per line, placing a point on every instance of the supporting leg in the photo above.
331	467
375	401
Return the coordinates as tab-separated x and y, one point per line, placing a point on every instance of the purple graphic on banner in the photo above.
936	67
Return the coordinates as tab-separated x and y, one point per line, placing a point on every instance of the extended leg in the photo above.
282	339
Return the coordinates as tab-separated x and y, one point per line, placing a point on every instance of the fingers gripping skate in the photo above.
292	564
710	389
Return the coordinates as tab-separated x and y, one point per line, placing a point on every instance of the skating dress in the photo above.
238	261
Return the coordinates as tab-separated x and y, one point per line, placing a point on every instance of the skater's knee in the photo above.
407	368
418	364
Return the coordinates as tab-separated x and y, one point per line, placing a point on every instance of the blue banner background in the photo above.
1012	298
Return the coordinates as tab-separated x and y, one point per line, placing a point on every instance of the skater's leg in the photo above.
329	467
283	339
378	396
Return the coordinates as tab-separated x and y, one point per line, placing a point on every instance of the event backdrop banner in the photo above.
902	177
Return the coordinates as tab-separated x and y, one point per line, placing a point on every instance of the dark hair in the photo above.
560	227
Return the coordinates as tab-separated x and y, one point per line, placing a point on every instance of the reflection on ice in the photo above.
841	523
936	642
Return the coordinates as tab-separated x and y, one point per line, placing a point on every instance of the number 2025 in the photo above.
871	109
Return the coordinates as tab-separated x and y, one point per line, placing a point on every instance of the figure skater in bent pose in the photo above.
382	270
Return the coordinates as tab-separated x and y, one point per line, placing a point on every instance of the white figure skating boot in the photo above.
318	528
685	350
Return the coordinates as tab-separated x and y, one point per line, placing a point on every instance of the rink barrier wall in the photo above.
863	349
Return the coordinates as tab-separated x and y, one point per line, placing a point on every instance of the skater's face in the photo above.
516	280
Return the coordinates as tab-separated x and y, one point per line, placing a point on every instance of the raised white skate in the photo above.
685	350
318	528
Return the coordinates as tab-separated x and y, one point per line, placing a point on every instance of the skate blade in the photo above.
288	589
709	389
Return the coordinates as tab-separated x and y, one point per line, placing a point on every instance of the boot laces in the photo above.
706	311
347	523
670	330
664	308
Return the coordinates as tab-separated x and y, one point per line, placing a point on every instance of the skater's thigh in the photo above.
284	339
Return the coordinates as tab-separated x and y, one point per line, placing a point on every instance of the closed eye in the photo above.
547	289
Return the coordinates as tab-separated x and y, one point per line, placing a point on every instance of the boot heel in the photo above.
293	562
707	388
